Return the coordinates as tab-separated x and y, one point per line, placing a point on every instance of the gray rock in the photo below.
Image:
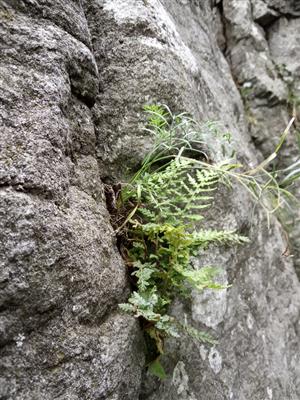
74	77
219	28
285	7
245	364
249	56
285	45
262	14
61	275
266	65
284	42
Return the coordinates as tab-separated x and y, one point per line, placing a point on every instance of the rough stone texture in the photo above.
262	14
61	275
284	43
264	59
290	8
74	77
284	46
143	58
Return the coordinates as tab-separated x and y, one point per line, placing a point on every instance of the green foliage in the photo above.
288	176
160	220
165	200
156	369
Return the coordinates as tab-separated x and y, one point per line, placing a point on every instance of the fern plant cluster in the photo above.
163	238
162	208
160	221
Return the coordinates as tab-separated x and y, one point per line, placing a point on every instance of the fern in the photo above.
208	236
173	195
168	198
161	212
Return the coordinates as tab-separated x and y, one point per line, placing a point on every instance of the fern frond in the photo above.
148	214
173	194
205	237
202	278
143	273
198	335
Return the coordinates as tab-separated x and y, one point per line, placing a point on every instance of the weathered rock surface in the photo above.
74	76
61	276
264	60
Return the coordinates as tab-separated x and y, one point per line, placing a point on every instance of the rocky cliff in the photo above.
74	75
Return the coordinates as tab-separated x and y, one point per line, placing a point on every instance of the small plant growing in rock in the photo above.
159	218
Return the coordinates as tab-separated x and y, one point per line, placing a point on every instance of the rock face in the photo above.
74	76
264	60
61	275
